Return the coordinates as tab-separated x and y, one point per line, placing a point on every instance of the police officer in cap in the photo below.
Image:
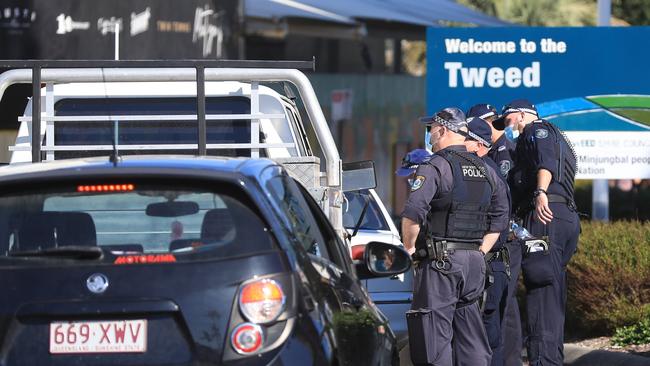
503	153
544	171
453	216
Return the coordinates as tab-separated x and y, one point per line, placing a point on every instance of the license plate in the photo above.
119	336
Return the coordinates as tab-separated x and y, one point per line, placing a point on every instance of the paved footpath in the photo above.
577	356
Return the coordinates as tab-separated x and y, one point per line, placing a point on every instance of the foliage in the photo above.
539	12
634	12
609	277
638	333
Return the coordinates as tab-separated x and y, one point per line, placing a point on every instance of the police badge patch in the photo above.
541	133
504	167
418	182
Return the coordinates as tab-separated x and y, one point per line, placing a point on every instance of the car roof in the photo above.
161	164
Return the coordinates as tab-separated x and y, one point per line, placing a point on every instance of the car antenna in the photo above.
115	156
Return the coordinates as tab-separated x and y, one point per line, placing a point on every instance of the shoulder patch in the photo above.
501	148
541	133
504	167
418	182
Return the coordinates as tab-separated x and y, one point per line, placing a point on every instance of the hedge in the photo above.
609	277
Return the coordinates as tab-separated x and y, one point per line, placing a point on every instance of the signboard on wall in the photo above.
591	82
149	29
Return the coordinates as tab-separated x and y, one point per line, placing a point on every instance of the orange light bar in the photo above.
261	291
106	188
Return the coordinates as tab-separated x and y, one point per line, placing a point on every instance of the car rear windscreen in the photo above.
133	217
151	132
372	218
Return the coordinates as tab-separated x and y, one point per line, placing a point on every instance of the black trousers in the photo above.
545	279
455	333
511	328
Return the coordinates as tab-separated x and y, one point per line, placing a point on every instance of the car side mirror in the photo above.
383	260
359	175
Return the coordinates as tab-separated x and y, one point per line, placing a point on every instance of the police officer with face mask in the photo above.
544	171
502	152
498	261
453	216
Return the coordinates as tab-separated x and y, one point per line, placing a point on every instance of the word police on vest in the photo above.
496	77
470	171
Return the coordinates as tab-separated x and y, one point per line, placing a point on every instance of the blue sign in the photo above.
600	72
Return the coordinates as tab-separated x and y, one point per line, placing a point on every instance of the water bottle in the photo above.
521	232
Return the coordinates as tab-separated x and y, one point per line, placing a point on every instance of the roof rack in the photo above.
50	72
36	72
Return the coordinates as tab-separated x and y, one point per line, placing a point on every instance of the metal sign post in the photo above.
600	187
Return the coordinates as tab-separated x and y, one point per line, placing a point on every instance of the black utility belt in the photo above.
556	198
439	248
552	198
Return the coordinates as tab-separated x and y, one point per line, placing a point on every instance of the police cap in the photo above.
452	118
411	161
482	111
517	105
479	131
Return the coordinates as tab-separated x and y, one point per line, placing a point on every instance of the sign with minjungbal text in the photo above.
591	82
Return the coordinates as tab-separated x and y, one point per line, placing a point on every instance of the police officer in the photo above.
454	213
502	153
544	171
496	295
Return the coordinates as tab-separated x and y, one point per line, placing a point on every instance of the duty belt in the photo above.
438	251
556	198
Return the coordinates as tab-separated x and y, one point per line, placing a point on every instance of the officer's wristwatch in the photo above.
538	191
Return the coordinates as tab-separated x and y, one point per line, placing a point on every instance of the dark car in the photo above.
180	261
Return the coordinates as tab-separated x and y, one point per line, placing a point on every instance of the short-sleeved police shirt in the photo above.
502	152
436	177
541	147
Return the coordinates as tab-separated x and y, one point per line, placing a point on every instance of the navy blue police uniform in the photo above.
496	295
503	154
456	199
542	145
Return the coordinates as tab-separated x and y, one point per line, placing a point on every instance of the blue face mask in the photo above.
511	133
427	141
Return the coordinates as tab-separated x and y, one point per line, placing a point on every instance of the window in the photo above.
293	208
150	132
146	217
372	219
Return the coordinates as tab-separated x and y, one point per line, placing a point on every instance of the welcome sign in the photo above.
593	83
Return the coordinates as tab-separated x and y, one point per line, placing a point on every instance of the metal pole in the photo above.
36	114
600	188
604	12
200	109
117	40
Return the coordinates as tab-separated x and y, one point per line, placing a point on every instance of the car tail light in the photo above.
261	301
247	338
106	188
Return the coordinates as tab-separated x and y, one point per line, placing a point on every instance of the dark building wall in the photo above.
332	55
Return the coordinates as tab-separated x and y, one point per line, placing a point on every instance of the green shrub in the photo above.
609	277
638	333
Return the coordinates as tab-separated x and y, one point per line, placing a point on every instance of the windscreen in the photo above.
372	219
132	217
153	132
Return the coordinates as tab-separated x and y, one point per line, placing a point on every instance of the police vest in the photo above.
462	214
